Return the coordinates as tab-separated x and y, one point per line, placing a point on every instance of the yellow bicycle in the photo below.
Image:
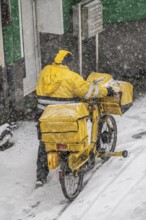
69	143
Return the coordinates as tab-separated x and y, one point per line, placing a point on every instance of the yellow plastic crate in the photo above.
75	133
64	124
119	103
112	105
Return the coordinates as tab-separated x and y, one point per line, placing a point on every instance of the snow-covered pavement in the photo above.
115	191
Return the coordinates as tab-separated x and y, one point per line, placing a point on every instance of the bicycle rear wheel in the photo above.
71	182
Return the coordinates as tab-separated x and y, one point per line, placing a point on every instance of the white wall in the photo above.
50	16
38	16
30	80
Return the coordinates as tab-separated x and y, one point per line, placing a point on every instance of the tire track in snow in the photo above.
122	198
104	188
84	184
112	181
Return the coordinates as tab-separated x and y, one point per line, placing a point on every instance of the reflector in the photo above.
61	146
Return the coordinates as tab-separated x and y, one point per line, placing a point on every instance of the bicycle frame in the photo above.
77	160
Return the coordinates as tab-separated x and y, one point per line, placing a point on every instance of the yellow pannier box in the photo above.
119	103
64	124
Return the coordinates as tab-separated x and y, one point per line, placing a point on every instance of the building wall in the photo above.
15	75
28	17
1	41
89	56
123	10
113	11
122	44
122	52
12	70
67	14
50	16
11	35
4	96
11	91
52	43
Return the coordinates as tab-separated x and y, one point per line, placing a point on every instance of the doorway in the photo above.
30	44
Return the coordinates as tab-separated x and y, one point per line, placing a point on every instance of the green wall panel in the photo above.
67	13
8	42
113	11
123	10
12	35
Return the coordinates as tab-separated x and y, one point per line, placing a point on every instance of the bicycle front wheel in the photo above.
107	134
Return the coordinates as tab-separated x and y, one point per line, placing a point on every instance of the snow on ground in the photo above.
115	191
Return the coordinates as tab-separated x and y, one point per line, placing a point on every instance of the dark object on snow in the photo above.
42	165
139	135
5	136
5	133
6	146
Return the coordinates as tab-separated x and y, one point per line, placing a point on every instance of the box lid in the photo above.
65	112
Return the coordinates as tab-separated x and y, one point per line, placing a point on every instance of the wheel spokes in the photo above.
71	183
107	135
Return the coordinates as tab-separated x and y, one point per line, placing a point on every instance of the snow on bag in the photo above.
65	124
120	103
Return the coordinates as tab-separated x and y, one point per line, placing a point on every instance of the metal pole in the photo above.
2	61
21	30
80	39
36	38
97	51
